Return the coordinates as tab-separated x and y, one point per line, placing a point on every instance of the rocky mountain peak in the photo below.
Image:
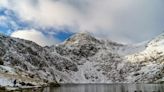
82	44
81	38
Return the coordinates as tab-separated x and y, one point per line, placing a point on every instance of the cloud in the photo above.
35	36
126	21
2	20
43	13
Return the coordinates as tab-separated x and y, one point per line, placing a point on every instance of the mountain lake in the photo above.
98	88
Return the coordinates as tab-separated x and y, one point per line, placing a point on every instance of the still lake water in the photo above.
100	88
107	88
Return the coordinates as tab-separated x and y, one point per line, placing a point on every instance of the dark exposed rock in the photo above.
26	84
1	62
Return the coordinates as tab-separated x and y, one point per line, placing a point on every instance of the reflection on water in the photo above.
100	88
108	88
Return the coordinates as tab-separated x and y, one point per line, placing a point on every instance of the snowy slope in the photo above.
82	58
31	62
151	60
100	61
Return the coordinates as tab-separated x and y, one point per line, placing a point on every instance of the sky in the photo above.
49	22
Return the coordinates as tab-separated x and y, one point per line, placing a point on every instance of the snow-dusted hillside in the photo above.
90	55
151	60
102	61
82	58
31	63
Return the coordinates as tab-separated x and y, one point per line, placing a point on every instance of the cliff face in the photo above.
83	59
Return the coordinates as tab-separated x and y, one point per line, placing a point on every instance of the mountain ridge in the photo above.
82	58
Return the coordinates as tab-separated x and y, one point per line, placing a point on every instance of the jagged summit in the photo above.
81	38
82	44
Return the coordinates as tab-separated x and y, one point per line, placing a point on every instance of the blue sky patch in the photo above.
13	23
63	35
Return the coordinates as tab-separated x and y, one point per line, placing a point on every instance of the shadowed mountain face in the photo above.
84	59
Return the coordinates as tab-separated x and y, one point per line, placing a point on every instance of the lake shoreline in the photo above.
19	88
122	87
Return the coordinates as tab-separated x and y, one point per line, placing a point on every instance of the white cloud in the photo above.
3	3
3	19
44	13
35	36
113	19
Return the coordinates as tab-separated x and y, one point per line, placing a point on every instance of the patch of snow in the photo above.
5	82
7	69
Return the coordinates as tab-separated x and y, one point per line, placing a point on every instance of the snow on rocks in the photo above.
83	59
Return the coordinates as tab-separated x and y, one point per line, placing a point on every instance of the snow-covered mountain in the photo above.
28	62
95	59
151	59
82	58
103	61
